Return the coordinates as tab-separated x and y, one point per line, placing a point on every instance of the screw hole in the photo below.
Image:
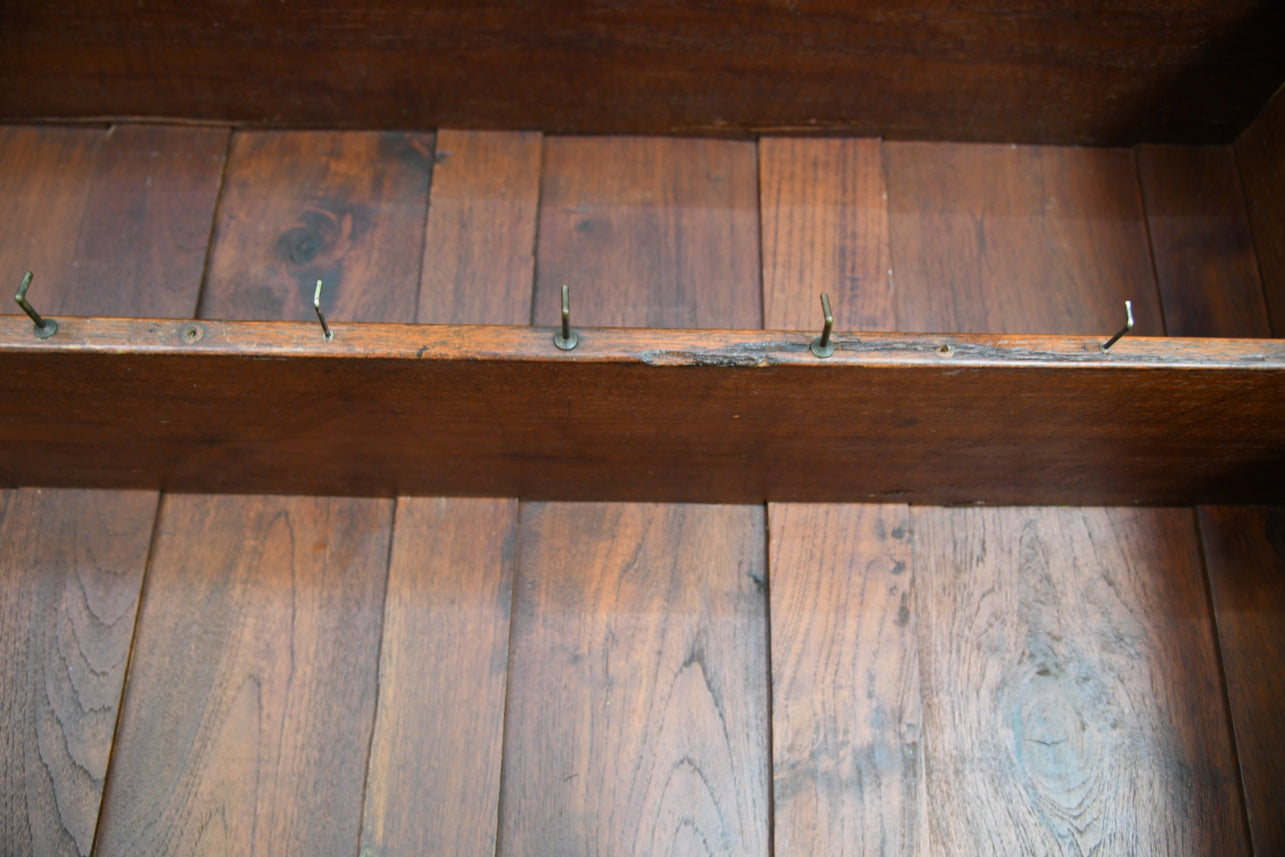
192	333
945	350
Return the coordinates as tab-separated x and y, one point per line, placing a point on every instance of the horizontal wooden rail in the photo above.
674	415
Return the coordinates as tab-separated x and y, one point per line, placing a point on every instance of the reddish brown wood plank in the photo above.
825	229
45	176
1070	684
637	710
1260	153
111	222
72	563
847	760
649	233
251	692
847	751
1062	71
347	208
708	416
1200	239
479	253
94	212
434	775
1245	554
1072	699
1018	239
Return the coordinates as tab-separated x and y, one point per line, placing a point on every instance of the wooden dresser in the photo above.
970	584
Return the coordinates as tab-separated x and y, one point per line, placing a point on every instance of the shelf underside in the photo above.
673	415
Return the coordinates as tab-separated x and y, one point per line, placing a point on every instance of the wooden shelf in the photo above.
659	415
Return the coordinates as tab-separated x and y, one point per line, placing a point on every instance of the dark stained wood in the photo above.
1203	250
1245	555
825	229
721	416
111	221
1071	693
479	253
847	758
1065	71
94	212
1018	239
346	208
435	758
72	563
1071	689
847	748
149	212
649	233
434	777
1260	153
45	176
251	693
637	710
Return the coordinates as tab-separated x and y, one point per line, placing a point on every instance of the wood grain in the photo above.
96	213
297	207
434	778
1031	70
637	710
825	229
435	758
479	254
847	760
1201	243
112	221
1018	239
251	692
1245	555
649	233
847	747
72	565
709	416
1260	154
1072	701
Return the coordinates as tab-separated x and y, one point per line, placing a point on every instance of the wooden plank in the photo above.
1260	153
1064	71
1245	555
1018	240
93	211
643	415
45	175
649	233
1072	699
111	222
846	755
248	718
847	748
72	564
434	776
479	254
347	208
1200	239
252	683
1071	693
825	229
637	710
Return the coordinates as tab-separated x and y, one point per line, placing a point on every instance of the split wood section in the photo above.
642	415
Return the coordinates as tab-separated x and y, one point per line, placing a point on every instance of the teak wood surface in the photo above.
883	658
642	415
1067	71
